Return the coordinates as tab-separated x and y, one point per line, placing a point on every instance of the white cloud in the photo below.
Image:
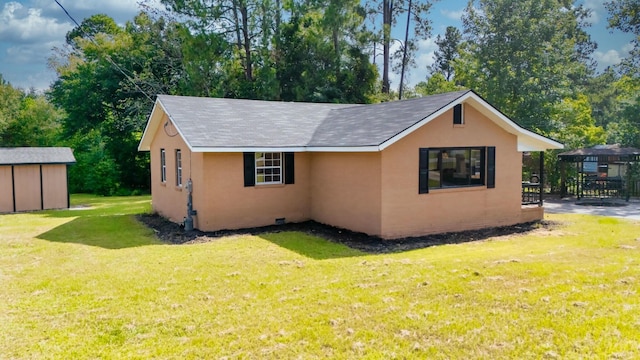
27	25
452	14
604	59
29	29
29	53
27	75
38	80
119	10
628	47
597	8
424	58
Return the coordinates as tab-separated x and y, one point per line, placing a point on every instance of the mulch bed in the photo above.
173	233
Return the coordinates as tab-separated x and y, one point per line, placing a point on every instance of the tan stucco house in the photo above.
441	163
34	178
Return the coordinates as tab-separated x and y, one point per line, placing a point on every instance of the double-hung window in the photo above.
456	167
163	166
264	168
178	167
268	168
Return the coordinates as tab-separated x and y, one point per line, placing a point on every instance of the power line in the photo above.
66	12
107	56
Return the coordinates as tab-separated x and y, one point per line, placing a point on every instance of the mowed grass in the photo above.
94	283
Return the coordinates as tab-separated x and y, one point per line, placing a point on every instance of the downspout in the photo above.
188	221
541	200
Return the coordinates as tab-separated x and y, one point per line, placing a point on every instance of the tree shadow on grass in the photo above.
109	232
101	209
310	246
320	241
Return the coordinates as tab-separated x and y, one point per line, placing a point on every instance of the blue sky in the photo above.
30	29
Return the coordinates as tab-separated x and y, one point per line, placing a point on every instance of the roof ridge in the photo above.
343	105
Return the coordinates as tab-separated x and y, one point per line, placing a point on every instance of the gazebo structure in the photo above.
600	172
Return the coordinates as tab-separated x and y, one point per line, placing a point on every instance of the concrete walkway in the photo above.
628	210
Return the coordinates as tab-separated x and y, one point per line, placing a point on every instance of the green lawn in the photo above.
94	283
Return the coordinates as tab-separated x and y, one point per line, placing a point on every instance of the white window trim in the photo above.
280	167
482	168
163	165
178	168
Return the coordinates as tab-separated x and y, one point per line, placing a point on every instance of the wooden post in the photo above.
579	179
41	190
68	193
628	180
13	186
563	179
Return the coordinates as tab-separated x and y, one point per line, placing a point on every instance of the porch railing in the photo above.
601	188
606	188
531	193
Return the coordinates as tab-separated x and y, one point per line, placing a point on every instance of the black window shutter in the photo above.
423	182
289	169
162	165
249	169
457	114
491	167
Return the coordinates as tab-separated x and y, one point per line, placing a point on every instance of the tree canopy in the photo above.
525	57
531	59
27	119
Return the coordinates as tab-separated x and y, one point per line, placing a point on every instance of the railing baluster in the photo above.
531	193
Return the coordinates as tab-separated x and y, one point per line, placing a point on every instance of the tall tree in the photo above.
447	52
625	129
307	68
405	51
625	16
37	124
247	24
525	57
107	86
603	95
27	119
436	84
417	17
577	125
10	102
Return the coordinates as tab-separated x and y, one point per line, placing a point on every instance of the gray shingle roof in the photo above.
218	123
374	124
36	155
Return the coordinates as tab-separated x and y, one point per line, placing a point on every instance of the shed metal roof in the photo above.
604	152
36	155
233	125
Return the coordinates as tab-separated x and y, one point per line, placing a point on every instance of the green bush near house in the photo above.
94	283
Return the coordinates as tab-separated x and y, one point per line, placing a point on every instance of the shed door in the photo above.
27	187
54	186
6	189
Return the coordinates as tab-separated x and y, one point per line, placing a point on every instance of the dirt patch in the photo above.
173	233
